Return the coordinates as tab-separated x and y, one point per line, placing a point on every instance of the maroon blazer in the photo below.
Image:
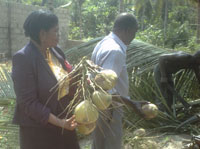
33	80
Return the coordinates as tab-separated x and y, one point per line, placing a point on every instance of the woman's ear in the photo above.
42	36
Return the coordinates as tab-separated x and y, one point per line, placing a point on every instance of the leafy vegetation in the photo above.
8	132
165	23
141	60
164	26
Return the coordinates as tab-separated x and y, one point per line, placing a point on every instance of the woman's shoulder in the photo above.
25	50
26	53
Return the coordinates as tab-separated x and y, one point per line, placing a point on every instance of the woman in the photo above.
37	68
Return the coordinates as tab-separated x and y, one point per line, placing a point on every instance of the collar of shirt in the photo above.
118	40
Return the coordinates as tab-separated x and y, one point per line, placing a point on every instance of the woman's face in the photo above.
51	37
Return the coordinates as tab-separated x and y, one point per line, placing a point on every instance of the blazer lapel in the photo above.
43	62
59	57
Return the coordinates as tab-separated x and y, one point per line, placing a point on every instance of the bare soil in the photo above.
159	141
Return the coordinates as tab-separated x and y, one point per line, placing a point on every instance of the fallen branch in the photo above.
194	102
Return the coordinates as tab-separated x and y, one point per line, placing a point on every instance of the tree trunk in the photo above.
165	20
121	6
80	2
143	18
44	2
9	54
81	22
198	22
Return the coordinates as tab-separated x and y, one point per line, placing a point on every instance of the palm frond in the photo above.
141	59
138	52
6	85
143	55
74	55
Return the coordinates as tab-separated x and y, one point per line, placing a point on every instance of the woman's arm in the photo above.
25	87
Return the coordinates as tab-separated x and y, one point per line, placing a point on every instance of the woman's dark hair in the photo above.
37	21
125	21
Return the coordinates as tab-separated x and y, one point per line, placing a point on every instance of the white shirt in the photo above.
110	53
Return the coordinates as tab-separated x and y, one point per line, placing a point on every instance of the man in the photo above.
170	64
110	53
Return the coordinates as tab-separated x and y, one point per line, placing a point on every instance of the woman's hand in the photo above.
69	124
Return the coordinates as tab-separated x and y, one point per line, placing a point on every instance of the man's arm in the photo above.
136	106
172	63
114	60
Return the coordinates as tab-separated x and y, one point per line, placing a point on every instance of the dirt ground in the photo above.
161	141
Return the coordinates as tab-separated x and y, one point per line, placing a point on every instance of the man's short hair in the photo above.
125	21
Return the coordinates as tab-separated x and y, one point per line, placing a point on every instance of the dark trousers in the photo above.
47	138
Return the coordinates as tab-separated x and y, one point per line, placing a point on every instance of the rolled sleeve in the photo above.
114	60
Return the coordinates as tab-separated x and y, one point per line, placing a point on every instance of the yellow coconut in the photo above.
86	129
86	112
150	110
106	79
139	132
101	99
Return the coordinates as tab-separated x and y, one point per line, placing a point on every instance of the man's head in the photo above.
125	27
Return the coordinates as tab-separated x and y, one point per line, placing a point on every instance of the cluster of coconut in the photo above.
92	95
87	111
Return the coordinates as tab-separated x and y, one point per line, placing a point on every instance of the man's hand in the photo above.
136	106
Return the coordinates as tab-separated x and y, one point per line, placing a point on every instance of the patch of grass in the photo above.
9	138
